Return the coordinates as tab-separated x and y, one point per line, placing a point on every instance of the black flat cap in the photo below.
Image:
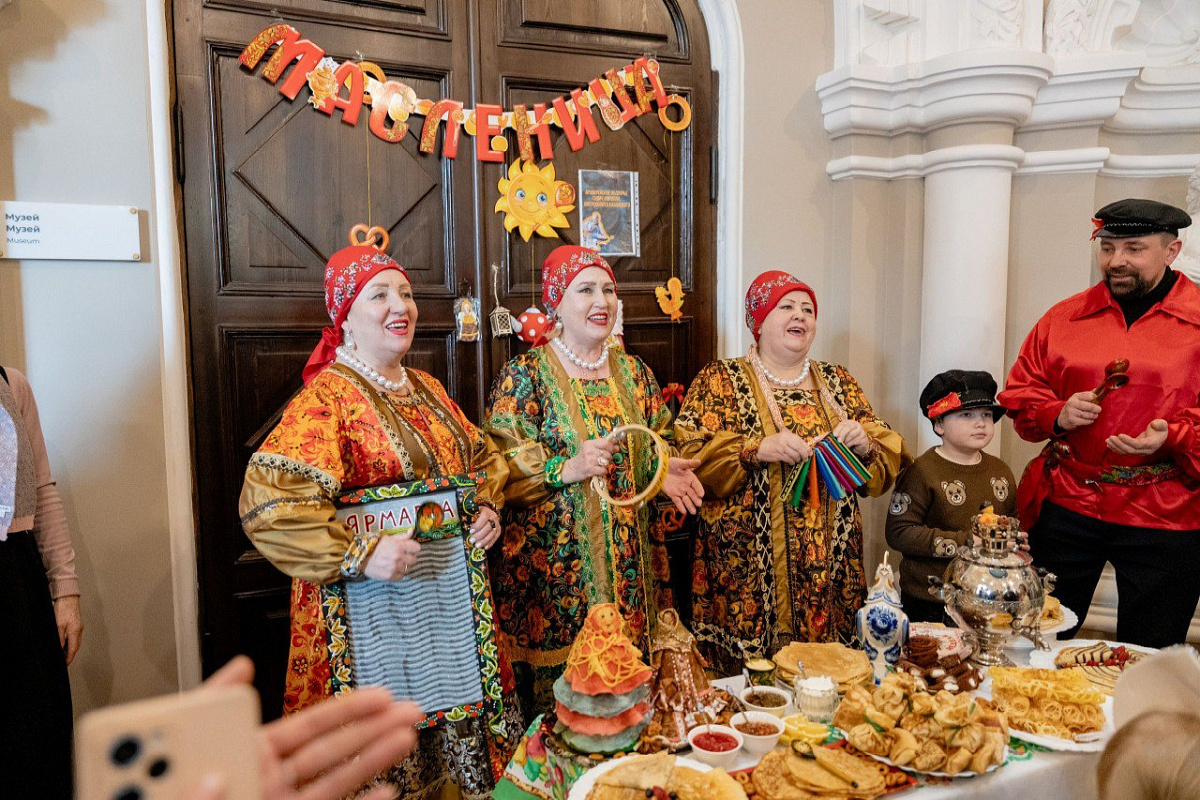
959	390
1134	217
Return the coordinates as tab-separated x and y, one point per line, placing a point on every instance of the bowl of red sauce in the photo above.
717	745
761	731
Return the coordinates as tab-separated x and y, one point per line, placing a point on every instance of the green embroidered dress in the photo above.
565	549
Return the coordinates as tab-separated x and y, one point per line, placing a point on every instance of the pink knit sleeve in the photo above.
50	518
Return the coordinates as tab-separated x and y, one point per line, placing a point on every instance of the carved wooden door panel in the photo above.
543	49
271	187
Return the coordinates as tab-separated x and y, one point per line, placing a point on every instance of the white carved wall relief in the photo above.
1068	26
1075	27
879	32
1167	30
997	23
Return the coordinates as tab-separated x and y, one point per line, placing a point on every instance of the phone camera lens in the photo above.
159	767
129	793
125	751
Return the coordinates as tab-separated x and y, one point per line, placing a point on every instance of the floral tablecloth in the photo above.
542	766
540	769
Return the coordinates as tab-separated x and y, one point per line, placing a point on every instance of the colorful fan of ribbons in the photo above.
835	465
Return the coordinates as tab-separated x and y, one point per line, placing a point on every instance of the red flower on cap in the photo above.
937	408
766	291
561	267
346	273
1099	223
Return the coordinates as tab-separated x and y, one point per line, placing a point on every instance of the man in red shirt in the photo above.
1119	478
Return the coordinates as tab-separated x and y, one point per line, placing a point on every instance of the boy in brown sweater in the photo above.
936	497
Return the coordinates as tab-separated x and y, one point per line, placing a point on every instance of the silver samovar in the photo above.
992	579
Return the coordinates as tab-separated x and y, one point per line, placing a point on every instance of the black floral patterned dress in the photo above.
766	573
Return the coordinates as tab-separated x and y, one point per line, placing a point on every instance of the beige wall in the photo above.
74	128
787	194
856	242
1049	260
1051	257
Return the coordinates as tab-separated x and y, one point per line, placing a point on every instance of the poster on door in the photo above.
608	212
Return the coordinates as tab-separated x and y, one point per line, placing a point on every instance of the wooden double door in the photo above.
271	187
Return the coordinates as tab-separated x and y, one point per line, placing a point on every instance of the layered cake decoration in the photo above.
602	699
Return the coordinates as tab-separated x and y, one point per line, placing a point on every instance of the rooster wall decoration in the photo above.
670	298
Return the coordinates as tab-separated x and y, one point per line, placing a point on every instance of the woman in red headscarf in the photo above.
364	419
564	548
765	571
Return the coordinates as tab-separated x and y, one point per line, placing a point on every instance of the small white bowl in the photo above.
758	745
724	759
781	710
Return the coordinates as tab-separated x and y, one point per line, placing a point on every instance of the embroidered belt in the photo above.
1059	454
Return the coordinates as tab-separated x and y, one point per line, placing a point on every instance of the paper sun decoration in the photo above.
533	201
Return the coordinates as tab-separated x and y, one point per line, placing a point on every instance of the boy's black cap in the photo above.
958	390
1125	219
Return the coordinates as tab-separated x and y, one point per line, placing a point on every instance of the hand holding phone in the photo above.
327	751
138	751
158	749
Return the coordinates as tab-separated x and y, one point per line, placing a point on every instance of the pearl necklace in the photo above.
579	362
369	372
799	379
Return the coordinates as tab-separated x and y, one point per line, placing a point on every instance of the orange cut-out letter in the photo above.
381	103
452	110
291	48
608	112
348	74
629	109
485	129
584	122
258	46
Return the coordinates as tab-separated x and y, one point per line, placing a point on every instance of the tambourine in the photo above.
600	486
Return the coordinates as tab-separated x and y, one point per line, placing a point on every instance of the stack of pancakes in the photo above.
845	666
784	775
602	723
1052	616
659	776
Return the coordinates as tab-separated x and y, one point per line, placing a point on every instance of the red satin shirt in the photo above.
1066	352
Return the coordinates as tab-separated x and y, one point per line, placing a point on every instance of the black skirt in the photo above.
35	696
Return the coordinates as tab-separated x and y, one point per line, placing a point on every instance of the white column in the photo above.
964	281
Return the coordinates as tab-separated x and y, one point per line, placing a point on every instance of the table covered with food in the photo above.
950	711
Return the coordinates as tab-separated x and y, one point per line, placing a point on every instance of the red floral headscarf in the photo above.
561	267
348	271
766	291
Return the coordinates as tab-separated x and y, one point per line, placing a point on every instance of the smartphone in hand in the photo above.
162	748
